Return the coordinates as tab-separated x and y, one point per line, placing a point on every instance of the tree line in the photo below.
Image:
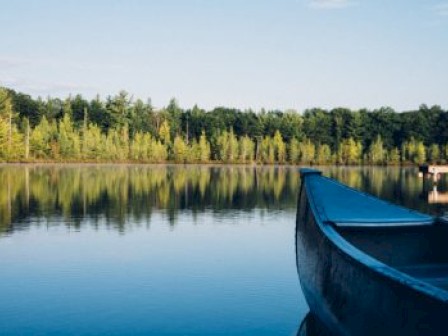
123	129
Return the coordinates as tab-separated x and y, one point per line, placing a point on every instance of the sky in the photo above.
277	54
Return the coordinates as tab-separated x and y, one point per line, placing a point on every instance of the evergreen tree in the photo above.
68	139
393	156
267	150
307	151
434	153
164	133
377	153
294	151
40	139
180	150
280	147
11	145
246	150
350	152
94	143
227	147
204	148
323	154
420	153
159	151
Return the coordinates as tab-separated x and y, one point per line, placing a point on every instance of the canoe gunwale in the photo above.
378	225
363	260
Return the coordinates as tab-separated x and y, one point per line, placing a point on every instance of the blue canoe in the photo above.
368	267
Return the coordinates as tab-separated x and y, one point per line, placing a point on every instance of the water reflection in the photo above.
435	196
311	326
114	194
401	186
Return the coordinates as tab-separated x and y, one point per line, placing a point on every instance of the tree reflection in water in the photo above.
114	194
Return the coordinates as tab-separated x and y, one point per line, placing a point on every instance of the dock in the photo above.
433	171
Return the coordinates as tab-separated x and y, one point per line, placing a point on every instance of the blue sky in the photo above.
253	53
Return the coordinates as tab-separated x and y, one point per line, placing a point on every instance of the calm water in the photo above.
163	250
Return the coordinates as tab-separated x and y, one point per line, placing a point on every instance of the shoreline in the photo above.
209	164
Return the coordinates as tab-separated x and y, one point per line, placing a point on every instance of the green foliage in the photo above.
227	147
203	149
393	156
267	150
11	140
40	140
307	151
246	150
164	132
68	139
294	151
324	155
377	152
280	147
420	153
121	129
93	143
413	151
434	153
180	150
349	152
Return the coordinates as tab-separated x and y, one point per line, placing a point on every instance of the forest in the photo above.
121	128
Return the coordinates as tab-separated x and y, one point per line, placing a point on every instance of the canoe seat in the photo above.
343	206
436	274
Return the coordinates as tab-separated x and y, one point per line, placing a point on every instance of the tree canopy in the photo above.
120	128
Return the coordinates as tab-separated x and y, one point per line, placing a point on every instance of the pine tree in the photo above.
204	148
180	150
159	152
227	147
280	148
40	139
246	149
164	133
393	156
350	152
233	147
137	148
294	151
68	139
11	141
434	153
307	151
377	153
267	150
94	143
323	154
420	153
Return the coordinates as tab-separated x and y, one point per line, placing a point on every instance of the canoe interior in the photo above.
421	252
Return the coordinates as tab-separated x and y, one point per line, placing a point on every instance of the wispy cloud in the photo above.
441	9
330	4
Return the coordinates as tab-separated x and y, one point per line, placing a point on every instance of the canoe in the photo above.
368	267
310	326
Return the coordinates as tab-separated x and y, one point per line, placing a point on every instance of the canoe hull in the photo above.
349	297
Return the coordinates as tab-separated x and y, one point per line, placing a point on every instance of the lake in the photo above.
163	250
